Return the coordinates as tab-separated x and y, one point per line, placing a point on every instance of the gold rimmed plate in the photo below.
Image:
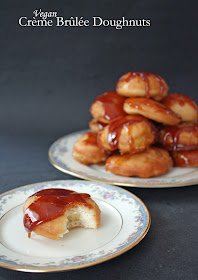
125	220
60	155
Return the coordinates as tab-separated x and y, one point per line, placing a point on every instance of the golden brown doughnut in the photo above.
86	150
185	158
182	105
142	84
152	162
182	137
151	109
129	134
52	212
107	107
96	126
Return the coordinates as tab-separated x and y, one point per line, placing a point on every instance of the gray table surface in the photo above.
50	76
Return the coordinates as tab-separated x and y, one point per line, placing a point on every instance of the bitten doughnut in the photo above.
86	150
96	126
152	162
107	107
52	212
185	158
151	109
182	137
142	84
182	105
130	134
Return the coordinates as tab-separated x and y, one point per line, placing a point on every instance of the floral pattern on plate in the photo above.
133	228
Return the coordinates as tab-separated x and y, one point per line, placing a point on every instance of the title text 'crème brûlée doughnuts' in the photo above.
107	107
129	134
151	109
87	151
52	212
182	137
150	163
182	105
142	84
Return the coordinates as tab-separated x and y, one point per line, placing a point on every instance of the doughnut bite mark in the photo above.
182	137
107	107
86	150
96	126
142	84
185	158
52	212
150	163
182	105
151	109
130	134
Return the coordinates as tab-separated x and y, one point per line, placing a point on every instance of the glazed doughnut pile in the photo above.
139	129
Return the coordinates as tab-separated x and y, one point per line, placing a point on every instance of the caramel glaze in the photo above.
50	204
185	158
180	99
91	138
174	133
116	127
139	102
112	104
101	125
144	77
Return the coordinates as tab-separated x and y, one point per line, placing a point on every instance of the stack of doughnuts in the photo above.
139	130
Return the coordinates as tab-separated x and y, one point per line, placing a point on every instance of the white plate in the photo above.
60	155
125	220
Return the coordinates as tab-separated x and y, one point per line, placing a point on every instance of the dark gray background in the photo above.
50	76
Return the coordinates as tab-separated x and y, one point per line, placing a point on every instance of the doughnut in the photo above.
107	107
129	134
142	84
185	158
96	126
86	150
151	109
150	163
52	212
182	137
182	105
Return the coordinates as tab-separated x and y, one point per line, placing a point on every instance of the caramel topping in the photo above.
140	102
181	99
50	204
91	138
112	104
101	125
185	158
116	127
174	133
144	77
